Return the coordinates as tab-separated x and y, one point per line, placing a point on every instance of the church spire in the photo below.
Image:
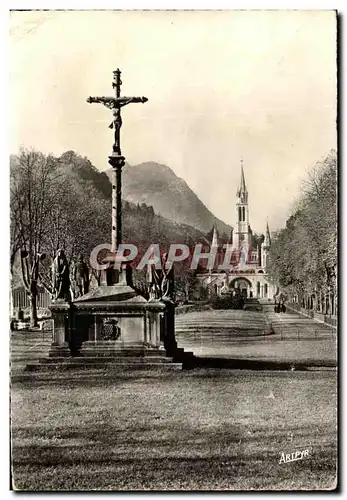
243	182
242	190
214	242
267	240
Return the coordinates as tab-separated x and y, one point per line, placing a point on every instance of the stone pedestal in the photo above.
109	321
61	313
128	327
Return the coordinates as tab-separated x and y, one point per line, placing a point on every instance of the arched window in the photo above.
265	289
243	214
240	214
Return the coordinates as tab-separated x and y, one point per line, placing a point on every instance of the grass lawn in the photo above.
206	430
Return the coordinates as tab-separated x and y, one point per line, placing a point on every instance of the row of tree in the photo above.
303	255
50	210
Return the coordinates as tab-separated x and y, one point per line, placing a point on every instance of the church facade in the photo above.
246	256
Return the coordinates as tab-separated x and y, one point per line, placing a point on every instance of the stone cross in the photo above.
116	160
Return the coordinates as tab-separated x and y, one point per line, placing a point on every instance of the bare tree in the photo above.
303	256
32	178
52	207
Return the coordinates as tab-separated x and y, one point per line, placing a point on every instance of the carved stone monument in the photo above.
60	307
113	320
161	283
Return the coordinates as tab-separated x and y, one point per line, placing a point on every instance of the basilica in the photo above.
246	256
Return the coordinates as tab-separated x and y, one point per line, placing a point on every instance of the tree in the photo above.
32	176
303	255
52	207
185	280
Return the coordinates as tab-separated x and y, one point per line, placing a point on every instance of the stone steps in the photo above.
106	359
306	328
222	340
305	325
303	329
309	327
110	350
18	359
120	360
222	327
29	345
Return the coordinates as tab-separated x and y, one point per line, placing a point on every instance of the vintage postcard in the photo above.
173	254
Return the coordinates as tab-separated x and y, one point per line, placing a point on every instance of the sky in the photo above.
221	86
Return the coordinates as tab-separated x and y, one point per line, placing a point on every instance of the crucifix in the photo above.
116	160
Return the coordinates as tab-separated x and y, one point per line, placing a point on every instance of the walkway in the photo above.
245	335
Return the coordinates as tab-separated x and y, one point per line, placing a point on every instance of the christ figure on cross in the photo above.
115	104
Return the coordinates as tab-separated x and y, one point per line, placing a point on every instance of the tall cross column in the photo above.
116	160
116	232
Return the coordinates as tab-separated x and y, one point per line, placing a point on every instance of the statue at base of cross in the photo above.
161	282
61	277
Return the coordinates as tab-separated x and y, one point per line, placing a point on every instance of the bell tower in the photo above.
241	234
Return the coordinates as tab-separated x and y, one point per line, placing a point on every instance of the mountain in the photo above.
83	171
170	196
141	225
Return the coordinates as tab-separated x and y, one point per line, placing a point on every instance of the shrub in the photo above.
228	301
